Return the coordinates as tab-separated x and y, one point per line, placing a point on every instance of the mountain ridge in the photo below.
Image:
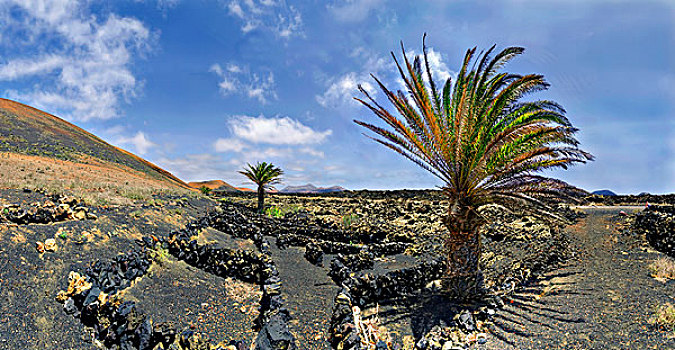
309	188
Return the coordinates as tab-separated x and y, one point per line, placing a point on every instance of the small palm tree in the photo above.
482	140
265	175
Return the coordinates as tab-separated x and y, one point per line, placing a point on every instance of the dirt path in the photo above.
309	294
601	300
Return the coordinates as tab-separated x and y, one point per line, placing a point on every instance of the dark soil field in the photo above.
581	284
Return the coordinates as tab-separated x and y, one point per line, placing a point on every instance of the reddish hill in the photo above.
212	184
27	131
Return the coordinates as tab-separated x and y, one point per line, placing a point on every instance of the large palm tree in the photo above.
484	142
265	175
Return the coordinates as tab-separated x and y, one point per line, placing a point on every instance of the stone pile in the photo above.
657	223
273	317
242	222
362	260
314	254
333	247
93	298
244	265
58	208
367	288
363	289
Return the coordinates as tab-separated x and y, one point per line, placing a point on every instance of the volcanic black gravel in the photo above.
602	300
30	317
193	299
309	294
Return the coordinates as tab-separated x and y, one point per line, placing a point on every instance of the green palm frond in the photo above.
263	174
478	135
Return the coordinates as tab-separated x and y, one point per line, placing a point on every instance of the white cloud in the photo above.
354	10
228	145
439	70
20	68
283	20
197	167
341	89
239	79
163	5
280	140
276	131
79	65
139	141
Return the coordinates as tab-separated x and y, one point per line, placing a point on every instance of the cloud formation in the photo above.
140	142
342	89
276	131
283	20
283	140
195	167
82	62
235	79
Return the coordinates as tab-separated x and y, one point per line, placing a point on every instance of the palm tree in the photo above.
482	140
265	175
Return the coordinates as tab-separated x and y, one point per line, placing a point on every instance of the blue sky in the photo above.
202	87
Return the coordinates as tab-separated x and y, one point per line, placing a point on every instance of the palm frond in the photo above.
477	134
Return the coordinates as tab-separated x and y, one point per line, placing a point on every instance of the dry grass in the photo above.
96	182
663	269
664	318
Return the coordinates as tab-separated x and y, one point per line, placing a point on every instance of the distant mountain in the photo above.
309	188
604	193
31	136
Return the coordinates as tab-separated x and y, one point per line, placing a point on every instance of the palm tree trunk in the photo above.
261	198
463	279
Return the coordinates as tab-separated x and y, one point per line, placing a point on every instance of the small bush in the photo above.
205	190
663	268
350	220
280	212
273	212
159	255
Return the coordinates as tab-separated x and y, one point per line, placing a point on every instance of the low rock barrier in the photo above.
360	290
658	225
94	297
56	209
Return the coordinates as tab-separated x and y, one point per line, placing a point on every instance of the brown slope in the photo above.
30	131
212	184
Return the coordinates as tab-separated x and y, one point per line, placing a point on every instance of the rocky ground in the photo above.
574	285
603	298
30	318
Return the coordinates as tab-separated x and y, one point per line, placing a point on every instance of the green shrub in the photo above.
273	212
280	212
205	190
350	220
159	255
